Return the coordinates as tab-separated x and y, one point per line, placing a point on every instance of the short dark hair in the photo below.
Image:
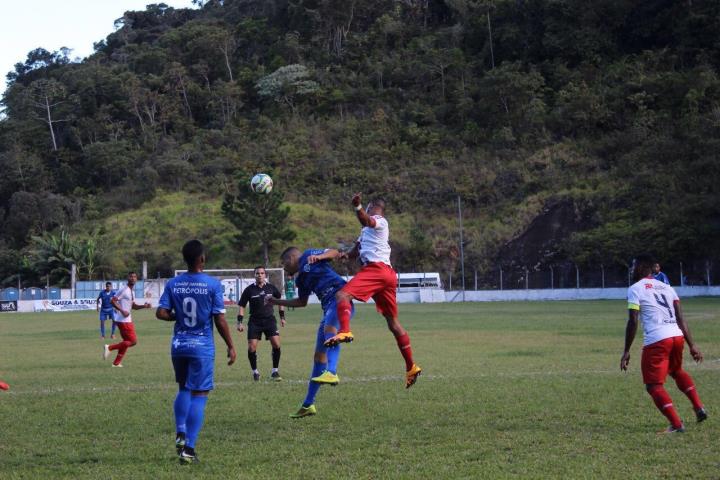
644	261
131	272
258	268
286	253
108	283
192	251
378	202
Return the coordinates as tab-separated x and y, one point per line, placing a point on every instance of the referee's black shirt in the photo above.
255	295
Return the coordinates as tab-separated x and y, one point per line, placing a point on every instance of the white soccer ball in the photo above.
261	183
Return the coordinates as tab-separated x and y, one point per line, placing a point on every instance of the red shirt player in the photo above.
377	280
664	335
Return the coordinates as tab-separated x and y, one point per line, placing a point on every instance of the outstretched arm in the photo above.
362	216
682	324
295	302
329	254
630	331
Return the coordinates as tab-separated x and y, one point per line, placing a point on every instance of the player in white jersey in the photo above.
377	280
124	304
664	333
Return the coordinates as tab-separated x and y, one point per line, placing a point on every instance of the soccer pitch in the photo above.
509	390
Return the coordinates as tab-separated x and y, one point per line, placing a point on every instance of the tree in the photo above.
260	219
45	95
287	83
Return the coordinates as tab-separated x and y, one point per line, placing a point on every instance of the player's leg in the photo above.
181	406
275	344
200	382
368	281
683	380
102	325
654	365
253	337
127	331
319	365
114	327
329	328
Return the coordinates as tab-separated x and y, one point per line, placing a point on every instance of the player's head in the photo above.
108	286
376	206
642	266
290	260
260	274
194	254
132	278
656	268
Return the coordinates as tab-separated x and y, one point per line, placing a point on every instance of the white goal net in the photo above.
235	280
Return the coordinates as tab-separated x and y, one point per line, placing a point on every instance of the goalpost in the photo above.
235	280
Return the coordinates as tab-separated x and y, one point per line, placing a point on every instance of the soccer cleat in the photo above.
276	376
412	375
304	412
701	415
341	337
327	378
671	429
256	376
106	352
4	386
179	443
188	456
119	365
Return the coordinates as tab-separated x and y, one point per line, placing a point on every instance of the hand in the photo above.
282	322
696	354
147	305
240	327
356	200
231	355
625	361
312	259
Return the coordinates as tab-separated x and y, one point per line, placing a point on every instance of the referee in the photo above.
262	321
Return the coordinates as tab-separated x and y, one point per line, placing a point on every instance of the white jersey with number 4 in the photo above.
125	298
655	300
375	242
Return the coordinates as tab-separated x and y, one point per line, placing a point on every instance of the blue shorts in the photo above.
194	373
106	315
329	319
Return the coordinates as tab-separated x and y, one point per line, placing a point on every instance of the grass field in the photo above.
509	390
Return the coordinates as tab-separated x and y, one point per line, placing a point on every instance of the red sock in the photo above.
344	309
403	342
664	403
686	385
123	347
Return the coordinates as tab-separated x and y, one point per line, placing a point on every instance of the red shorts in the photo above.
661	358
379	281
127	331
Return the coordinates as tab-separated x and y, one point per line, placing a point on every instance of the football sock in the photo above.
685	383
181	408
333	355
276	357
344	311
403	343
102	328
664	403
195	418
252	356
318	368
114	326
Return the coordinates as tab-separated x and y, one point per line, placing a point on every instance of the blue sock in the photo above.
195	419
181	408
333	356
313	387
102	328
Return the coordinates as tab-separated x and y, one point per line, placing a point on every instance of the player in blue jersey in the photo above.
315	275
194	301
105	307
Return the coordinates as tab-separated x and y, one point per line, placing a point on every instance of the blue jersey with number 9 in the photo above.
195	298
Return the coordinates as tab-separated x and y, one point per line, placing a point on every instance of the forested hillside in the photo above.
596	123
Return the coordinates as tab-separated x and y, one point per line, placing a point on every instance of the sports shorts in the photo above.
661	358
107	315
127	331
194	373
376	280
268	327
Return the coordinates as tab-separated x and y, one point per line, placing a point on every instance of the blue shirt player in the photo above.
105	307
194	301
315	275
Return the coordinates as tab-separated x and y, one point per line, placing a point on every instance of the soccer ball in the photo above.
261	183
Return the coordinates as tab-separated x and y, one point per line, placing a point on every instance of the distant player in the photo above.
376	279
104	306
664	333
124	303
262	321
658	275
314	275
194	301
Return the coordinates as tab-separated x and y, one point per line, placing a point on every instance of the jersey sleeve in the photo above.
165	301
303	290
218	303
675	297
633	299
380	222
244	298
276	292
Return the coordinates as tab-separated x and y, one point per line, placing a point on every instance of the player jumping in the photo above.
376	279
664	333
314	275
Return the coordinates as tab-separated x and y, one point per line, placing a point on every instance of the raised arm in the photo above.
362	216
329	254
682	324
295	302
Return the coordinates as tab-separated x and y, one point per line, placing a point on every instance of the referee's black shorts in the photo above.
258	327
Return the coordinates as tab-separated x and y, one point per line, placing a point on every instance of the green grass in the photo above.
509	390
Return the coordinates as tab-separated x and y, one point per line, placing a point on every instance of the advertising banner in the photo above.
8	306
64	305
